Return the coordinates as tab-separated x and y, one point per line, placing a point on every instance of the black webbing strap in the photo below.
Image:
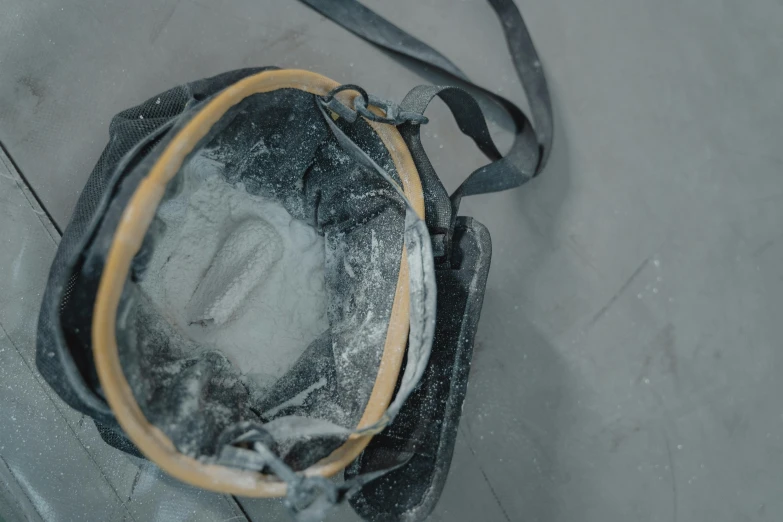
308	498
530	151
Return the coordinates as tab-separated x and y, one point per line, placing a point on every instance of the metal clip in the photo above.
392	113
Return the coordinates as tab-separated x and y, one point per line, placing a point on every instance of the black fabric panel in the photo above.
440	212
115	438
426	427
65	364
63	351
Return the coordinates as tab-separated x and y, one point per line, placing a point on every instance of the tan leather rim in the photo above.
135	221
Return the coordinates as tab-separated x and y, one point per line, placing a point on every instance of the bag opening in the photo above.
196	187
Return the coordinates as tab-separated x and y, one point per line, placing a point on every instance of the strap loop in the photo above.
531	148
345	87
394	115
331	102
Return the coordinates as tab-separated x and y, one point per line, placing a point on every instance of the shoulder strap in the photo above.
530	151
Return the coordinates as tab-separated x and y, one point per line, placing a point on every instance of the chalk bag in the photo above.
264	285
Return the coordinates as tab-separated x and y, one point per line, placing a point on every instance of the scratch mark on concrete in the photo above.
675	503
17	264
667	342
574	245
763	248
34	86
158	29
486	479
617	294
495	495
133	486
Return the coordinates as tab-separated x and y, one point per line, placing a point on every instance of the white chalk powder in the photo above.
236	272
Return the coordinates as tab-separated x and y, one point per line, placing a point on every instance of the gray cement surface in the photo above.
628	356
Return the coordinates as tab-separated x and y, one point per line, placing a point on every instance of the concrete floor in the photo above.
628	355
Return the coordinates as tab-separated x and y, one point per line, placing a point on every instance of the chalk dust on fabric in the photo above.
235	272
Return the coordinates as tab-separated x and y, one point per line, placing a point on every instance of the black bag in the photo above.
394	246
